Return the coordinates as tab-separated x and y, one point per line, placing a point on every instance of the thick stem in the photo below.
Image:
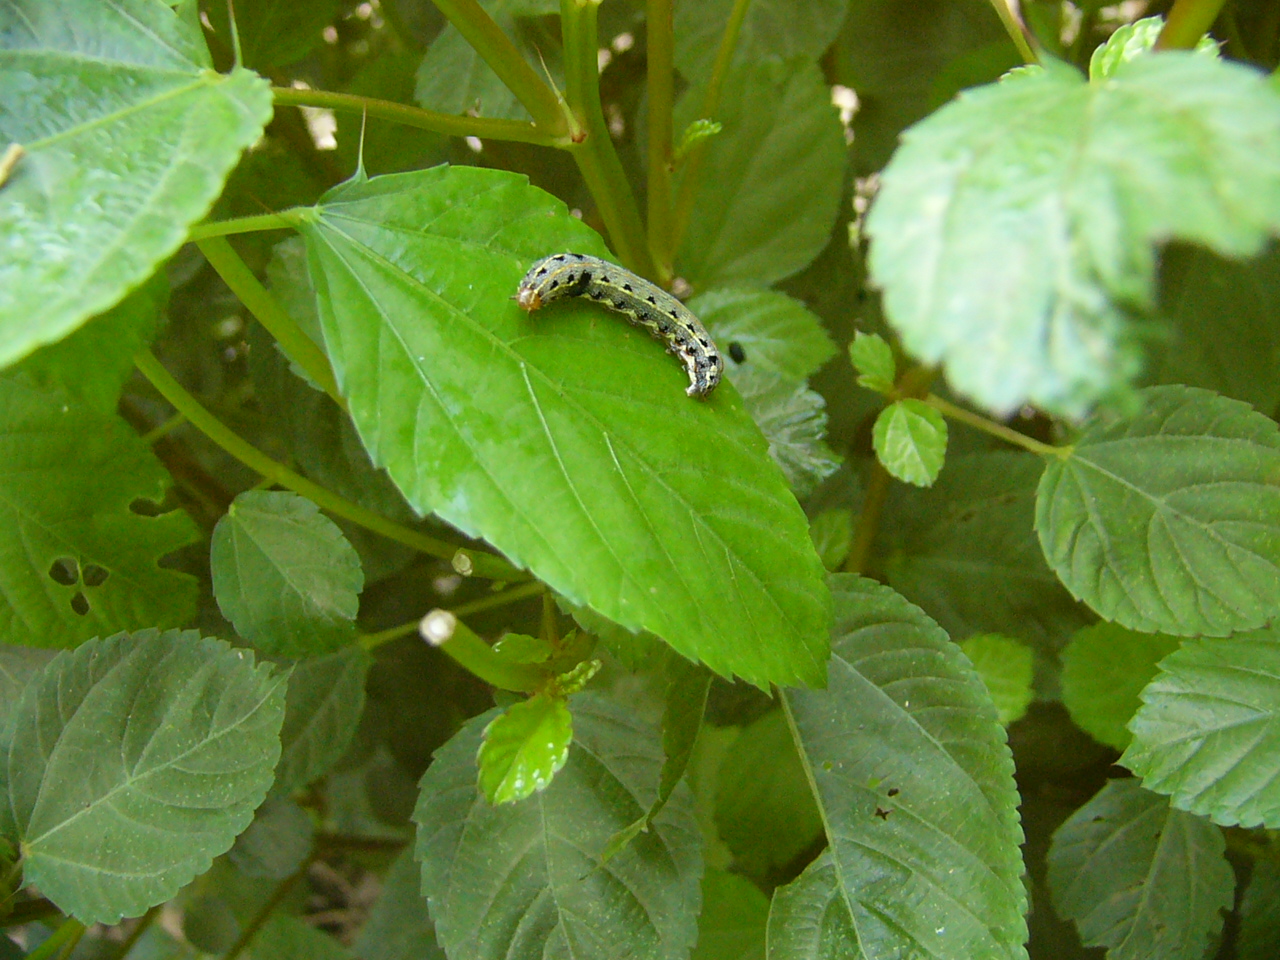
483	564
256	224
1189	20
444	630
446	123
511	595
864	534
259	302
661	88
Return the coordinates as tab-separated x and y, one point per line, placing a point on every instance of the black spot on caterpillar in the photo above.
576	275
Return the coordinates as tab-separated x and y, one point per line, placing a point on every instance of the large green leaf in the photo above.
326	697
776	333
1169	520
770	184
1015	254
563	437
915	781
771	28
811	918
129	136
135	761
18	665
284	574
734	914
1208	731
75	559
399	926
525	879
1145	881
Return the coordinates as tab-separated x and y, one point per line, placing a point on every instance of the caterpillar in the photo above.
576	275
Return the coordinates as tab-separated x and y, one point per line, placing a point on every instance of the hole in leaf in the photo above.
93	575
79	604
65	571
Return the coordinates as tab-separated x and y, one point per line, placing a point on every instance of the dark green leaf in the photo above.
524	879
1169	520
771	28
1104	668
129	137
831	532
276	843
1208	731
399	927
769	189
135	760
284	937
523	748
284	574
915	781
1005	666
502	422
776	333
793	419
1259	937
1016	255
811	919
734	914
273	33
323	707
1145	881
911	441
18	665
873	359
76	560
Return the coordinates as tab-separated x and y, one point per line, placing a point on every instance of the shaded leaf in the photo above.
325	700
523	748
284	937
1259	936
771	28
832	531
776	333
911	441
399	926
1145	881
811	917
276	842
1005	666
1169	520
18	666
135	761
793	419
274	33
734	915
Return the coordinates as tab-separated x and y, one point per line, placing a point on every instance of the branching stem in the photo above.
979	422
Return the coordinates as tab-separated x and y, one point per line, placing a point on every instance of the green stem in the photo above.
1013	27
488	40
710	103
259	302
484	564
452	125
442	629
864	535
68	933
1188	21
268	908
660	23
139	928
285	220
512	595
593	149
996	429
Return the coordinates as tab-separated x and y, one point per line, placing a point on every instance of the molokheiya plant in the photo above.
325	331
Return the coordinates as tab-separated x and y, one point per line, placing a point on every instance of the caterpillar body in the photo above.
577	275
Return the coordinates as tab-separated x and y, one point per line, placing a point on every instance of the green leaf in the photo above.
734	914
499	421
1104	668
284	574
524	879
793	419
872	357
771	29
764	809
1169	520
965	550
1259	936
1139	878
694	134
777	334
323	707
769	188
284	937
1005	666
633	650
1018	259
523	748
910	767
274	33
135	761
521	648
811	918
832	531
277	841
18	665
1208	731
76	560
399	927
129	137
911	441
1132	40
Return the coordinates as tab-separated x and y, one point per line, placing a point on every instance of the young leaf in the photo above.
1104	668
525	878
1208	731
1016	259
910	767
76	559
399	926
323	707
520	648
1139	878
768	191
1133	40
831	532
873	359
911	441
523	748
284	574
501	421
1005	666
129	136
695	133
134	762
1169	520
734	915
793	419
776	333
